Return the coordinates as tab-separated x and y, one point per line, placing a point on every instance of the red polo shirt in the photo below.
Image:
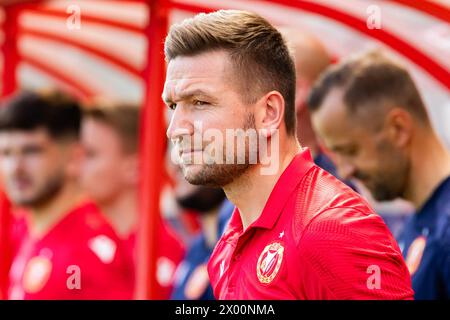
315	239
80	257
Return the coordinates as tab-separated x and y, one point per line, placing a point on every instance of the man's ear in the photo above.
270	113
74	158
400	126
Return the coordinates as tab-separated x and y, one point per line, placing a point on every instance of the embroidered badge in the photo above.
36	274
415	253
269	262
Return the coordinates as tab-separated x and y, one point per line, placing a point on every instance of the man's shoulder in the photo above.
91	216
330	214
322	198
86	233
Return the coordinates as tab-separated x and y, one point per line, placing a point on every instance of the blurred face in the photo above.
106	169
202	94
360	150
33	166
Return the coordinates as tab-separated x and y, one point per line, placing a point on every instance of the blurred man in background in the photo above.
192	281
110	176
67	249
371	115
311	59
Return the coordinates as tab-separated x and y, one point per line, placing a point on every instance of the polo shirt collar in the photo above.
283	189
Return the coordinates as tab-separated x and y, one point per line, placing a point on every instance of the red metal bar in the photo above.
428	64
151	152
190	7
5	244
432	8
121	63
47	67
9	50
436	70
49	12
9	84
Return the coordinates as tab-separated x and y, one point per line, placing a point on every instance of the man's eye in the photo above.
32	150
200	103
172	106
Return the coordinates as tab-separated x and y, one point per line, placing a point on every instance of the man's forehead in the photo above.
203	64
24	136
200	72
333	123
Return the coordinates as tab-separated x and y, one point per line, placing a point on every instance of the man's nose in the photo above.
179	125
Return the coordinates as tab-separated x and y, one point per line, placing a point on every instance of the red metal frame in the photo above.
49	12
5	244
79	88
152	152
118	62
9	82
432	8
409	51
9	50
434	69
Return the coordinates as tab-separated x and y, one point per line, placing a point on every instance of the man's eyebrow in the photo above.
187	95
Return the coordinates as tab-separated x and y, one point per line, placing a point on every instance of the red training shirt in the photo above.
315	239
79	258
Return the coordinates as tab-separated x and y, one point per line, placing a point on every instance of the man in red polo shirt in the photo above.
296	232
63	248
110	176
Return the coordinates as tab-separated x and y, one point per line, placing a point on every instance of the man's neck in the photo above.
122	213
430	166
250	192
47	215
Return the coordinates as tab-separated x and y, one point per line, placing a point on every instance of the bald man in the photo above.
311	59
370	113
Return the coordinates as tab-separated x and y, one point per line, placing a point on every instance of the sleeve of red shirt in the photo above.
341	252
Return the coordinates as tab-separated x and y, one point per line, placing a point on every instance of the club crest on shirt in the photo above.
269	262
415	253
36	274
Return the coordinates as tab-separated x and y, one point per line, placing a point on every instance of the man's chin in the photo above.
201	175
192	173
24	202
31	201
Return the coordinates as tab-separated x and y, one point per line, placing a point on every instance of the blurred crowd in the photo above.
71	173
